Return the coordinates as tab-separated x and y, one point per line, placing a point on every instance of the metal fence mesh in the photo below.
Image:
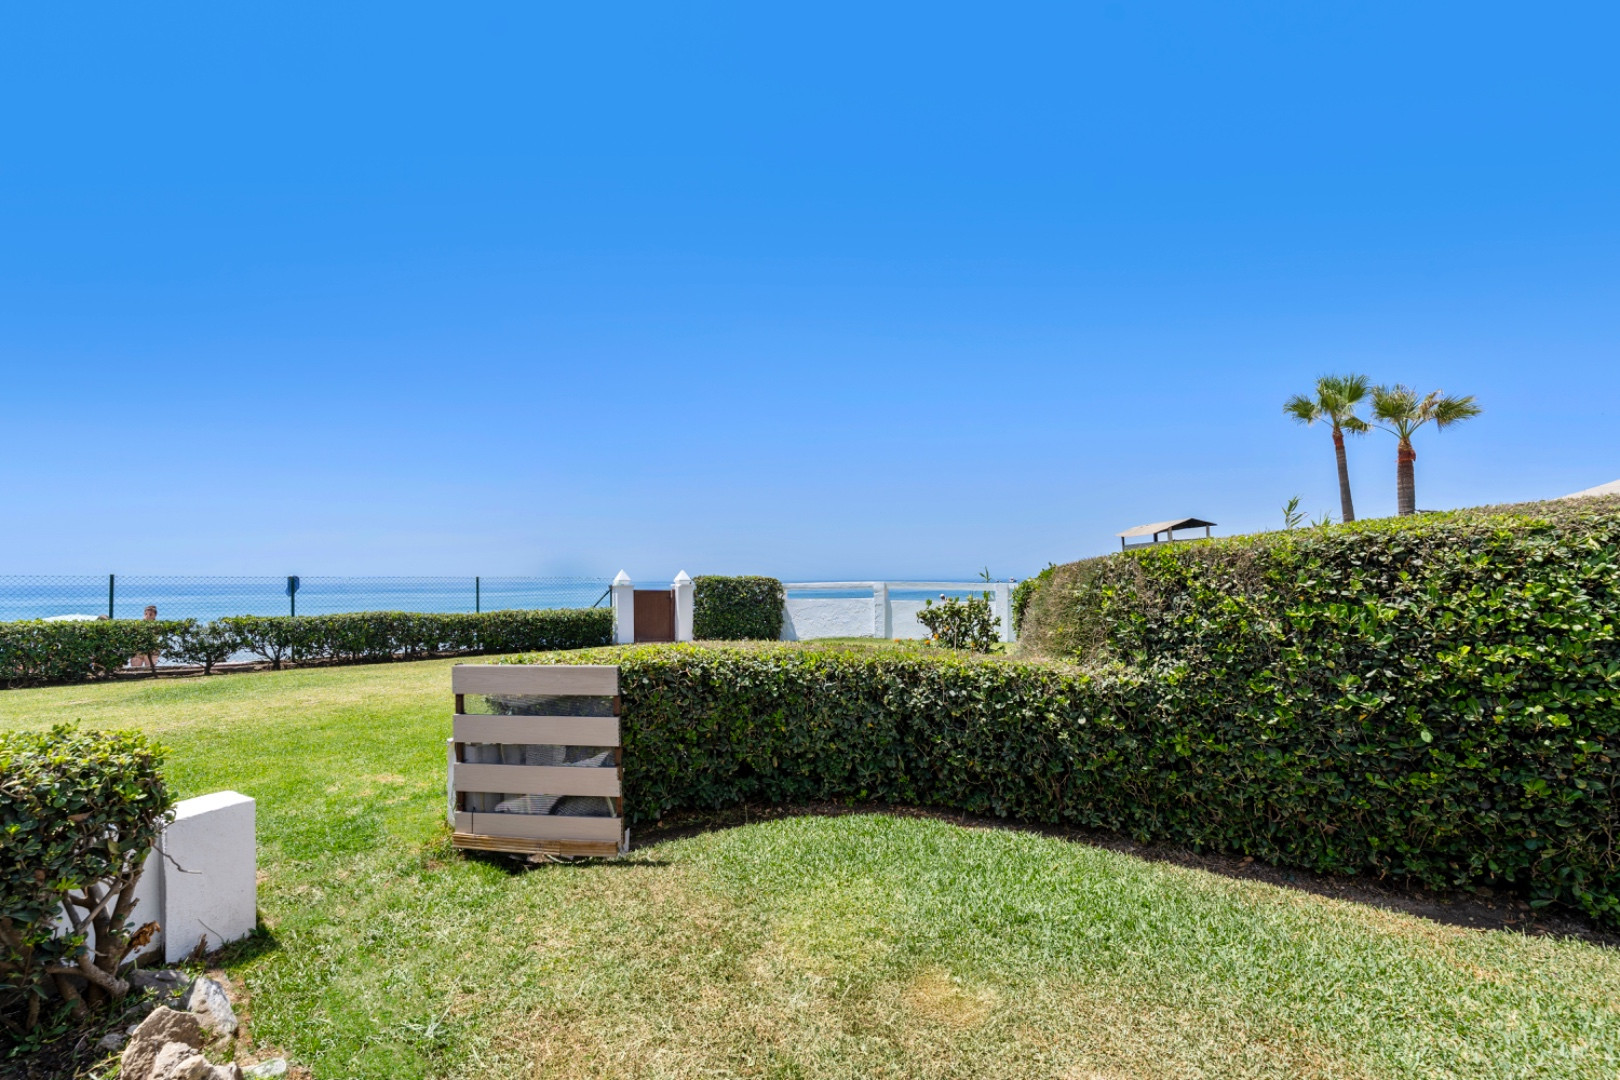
178	596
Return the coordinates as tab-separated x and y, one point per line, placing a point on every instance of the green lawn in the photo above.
846	947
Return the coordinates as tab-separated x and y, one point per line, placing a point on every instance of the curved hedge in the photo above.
1435	698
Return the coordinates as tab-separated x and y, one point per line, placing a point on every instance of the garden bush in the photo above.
737	608
961	624
79	812
1436	699
206	644
40	653
35	652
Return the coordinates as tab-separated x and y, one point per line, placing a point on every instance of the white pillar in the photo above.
683	606
1001	606
880	610
624	610
209	866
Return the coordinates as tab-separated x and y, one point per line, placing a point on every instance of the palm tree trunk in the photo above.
1405	485
1347	509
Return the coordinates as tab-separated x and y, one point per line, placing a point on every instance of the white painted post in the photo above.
210	873
624	610
1003	609
880	610
684	591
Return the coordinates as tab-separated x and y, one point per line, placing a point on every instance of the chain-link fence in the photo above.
179	596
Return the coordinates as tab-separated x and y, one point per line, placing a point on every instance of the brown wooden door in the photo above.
655	614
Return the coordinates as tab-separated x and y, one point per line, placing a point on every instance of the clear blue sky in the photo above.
831	291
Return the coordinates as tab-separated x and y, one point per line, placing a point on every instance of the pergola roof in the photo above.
1611	488
1167	526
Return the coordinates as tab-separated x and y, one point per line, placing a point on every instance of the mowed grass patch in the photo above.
855	946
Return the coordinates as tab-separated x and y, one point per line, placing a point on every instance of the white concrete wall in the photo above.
805	619
809	616
202	880
210	873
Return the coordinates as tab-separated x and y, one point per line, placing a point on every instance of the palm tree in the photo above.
1336	399
1402	413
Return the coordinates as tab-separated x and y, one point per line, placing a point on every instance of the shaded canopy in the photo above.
1167	526
1611	488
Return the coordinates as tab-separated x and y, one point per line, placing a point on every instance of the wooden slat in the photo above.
545	730
541	826
517	845
595	679
538	779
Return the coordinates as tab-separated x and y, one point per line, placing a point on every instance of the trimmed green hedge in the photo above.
35	652
737	608
38	653
1435	698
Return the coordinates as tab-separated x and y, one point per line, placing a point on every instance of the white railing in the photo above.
879	613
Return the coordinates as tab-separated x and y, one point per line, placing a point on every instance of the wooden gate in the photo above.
540	826
655	614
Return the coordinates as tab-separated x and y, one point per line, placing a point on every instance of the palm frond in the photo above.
1450	410
1302	409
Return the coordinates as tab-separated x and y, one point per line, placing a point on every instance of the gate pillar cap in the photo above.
621	578
682	578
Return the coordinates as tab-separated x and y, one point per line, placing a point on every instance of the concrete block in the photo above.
210	873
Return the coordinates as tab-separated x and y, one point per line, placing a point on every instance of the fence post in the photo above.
880	610
109	596
684	591
624	610
478	595
1003	609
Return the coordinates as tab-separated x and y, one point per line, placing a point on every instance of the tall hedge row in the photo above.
737	608
1524	803
1435	698
38	653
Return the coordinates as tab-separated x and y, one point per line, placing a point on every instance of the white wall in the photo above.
202	880
880	615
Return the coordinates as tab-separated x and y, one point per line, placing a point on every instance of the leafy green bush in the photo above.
38	653
962	624
270	637
35	652
79	811
737	608
203	643
1443	711
1024	592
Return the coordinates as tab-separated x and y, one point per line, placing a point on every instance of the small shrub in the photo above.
203	643
962	624
270	637
79	813
737	608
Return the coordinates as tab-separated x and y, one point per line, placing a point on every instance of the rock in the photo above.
162	1027
161	979
177	1061
266	1070
169	986
208	1001
113	1040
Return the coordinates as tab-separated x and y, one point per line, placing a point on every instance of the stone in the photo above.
163	980
210	1004
177	1061
266	1070
162	1027
112	1041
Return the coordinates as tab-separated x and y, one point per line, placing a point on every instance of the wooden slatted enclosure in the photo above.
530	726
